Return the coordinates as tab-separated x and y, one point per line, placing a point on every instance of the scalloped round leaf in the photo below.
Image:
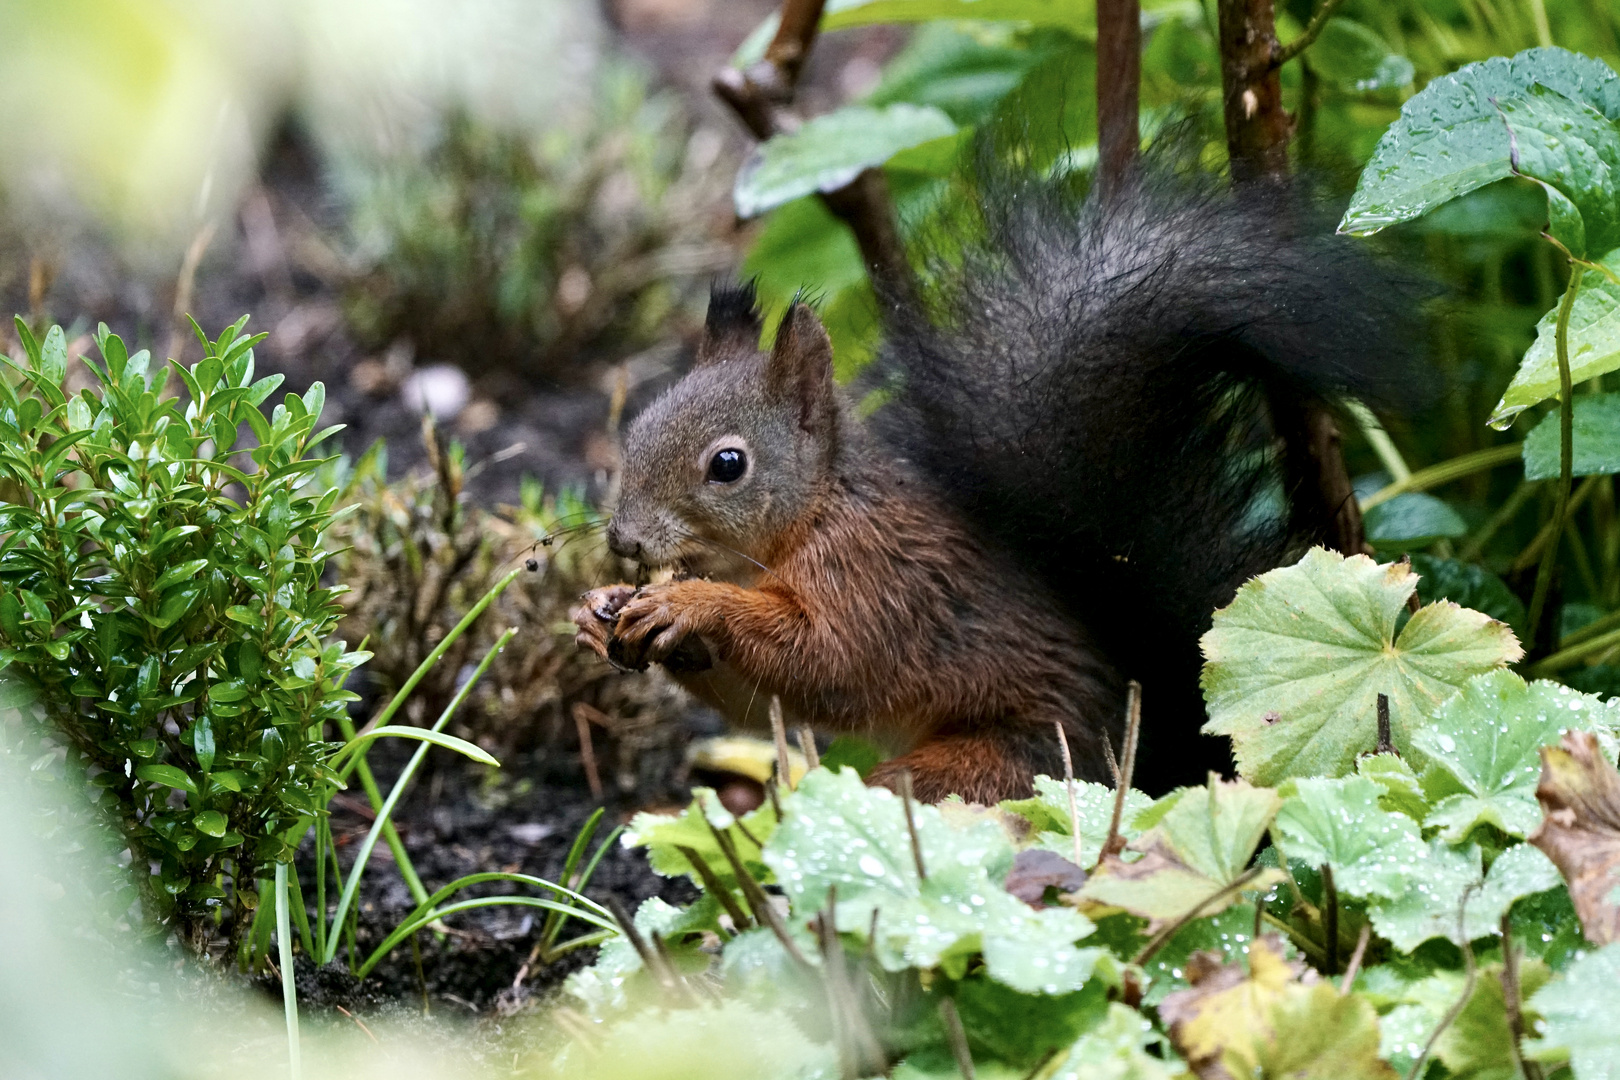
1433	902
1578	1016
1340	822
1295	663
1049	811
1594	346
1489	739
1450	139
1115	1049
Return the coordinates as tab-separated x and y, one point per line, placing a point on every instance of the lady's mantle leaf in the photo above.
1048	811
1578	1013
1296	661
1340	822
1489	739
837	833
1580	792
664	836
1116	1049
1433	902
1269	1022
1201	846
1594	349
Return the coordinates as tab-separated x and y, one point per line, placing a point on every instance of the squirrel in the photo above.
1078	457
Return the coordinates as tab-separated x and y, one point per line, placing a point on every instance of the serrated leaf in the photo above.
1594	346
1477	1043
1579	791
1048	810
1340	822
836	832
1433	902
1489	738
1468	584
1116	1049
830	150
1597	440
1402	790
1578	1016
1450	138
1202	845
1294	665
1268	1022
663	836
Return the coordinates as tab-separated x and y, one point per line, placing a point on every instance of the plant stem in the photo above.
1504	514
1379	440
289	988
1446	471
1566	456
1312	29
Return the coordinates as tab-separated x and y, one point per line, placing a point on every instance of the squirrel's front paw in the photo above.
653	626
596	616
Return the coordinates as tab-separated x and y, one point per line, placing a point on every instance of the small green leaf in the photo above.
210	823
53	357
202	741
1412	520
167	775
1296	662
1340	822
178	573
1594	347
1597	440
830	150
1432	903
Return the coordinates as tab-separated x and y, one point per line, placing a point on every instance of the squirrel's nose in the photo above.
621	545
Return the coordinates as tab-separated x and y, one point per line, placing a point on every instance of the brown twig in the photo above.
1158	940
713	886
784	769
653	959
1119	80
1287	52
761	97
1354	966
1512	999
1386	741
764	911
807	747
956	1038
1068	786
859	1052
357	1022
1115	843
911	824
587	752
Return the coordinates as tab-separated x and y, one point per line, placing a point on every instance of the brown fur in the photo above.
838	581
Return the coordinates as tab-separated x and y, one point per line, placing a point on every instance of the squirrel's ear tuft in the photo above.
732	326
800	368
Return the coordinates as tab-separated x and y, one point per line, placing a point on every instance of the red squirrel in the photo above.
1077	461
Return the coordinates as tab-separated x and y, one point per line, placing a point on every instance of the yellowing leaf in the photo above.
1200	847
1269	1022
1296	662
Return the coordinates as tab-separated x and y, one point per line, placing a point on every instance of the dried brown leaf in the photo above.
1580	795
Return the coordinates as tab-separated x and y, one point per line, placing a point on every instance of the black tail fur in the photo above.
1092	383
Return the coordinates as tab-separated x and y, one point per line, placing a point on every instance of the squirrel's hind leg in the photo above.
986	764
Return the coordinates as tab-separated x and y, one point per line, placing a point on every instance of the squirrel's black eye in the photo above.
727	466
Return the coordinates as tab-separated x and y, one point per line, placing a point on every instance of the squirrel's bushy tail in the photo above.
1093	383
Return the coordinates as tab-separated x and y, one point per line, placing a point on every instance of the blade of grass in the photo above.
1445	472
385	812
289	989
426	918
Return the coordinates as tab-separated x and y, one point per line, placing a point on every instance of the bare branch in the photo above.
1287	52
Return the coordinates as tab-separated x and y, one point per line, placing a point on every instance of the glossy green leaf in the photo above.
1597	440
1573	152
1414	519
1594	346
1296	662
167	775
210	823
1489	738
1451	138
830	150
1340	822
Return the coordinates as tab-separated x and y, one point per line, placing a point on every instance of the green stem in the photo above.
1574	654
289	988
1446	471
1379	440
386	810
1566	457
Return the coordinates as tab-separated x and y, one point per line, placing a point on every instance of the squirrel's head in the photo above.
731	456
